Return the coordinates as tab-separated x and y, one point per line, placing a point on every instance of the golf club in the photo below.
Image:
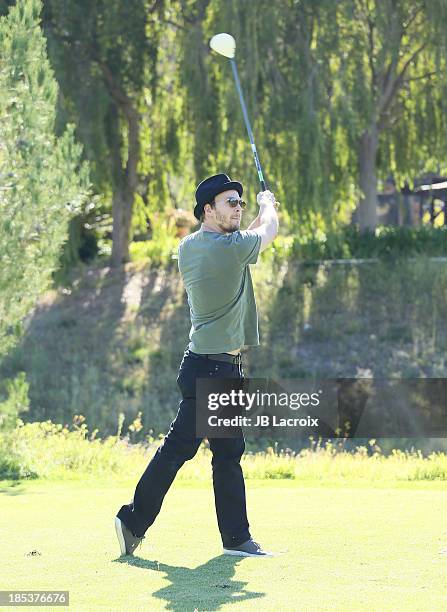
225	45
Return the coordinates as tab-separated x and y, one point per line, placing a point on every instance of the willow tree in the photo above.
105	57
389	75
286	98
339	92
42	181
373	95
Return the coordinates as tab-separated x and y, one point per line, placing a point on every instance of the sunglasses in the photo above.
233	202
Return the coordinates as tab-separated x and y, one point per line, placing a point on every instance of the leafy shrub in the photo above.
52	451
16	401
386	242
163	244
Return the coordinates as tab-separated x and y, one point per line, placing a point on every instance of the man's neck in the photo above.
209	228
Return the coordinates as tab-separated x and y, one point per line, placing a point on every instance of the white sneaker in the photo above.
247	549
127	541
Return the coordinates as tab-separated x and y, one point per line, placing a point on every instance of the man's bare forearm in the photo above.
254	224
268	215
268	218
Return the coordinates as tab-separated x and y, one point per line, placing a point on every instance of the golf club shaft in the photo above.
248	126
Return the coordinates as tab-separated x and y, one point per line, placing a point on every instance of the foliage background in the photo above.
154	110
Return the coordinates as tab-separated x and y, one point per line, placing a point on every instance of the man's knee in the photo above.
227	449
179	448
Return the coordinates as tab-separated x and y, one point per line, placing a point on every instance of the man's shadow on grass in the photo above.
208	586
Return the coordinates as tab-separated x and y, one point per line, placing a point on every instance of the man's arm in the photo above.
254	224
268	223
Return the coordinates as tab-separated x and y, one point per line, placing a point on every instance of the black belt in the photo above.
222	357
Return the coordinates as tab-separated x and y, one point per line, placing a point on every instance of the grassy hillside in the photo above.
113	340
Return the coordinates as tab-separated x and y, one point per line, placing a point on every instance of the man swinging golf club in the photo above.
214	265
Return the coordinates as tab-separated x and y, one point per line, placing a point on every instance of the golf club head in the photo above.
224	44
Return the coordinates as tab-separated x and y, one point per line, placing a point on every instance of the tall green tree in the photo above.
341	93
105	55
391	77
277	76
42	180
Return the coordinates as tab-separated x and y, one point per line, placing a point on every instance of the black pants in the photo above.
181	444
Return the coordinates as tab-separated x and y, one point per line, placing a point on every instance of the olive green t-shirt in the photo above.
216	274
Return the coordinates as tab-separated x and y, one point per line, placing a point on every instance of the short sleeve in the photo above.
247	244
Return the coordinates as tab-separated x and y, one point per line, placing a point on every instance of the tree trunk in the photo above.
122	213
367	209
125	178
126	181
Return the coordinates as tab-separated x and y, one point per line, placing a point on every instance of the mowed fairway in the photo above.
344	547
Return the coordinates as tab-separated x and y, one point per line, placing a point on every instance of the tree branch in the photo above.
125	104
371	51
154	7
423	76
173	23
412	17
395	84
410	59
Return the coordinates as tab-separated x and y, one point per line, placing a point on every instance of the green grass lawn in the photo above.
350	547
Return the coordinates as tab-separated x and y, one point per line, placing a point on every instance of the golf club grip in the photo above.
248	126
258	167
